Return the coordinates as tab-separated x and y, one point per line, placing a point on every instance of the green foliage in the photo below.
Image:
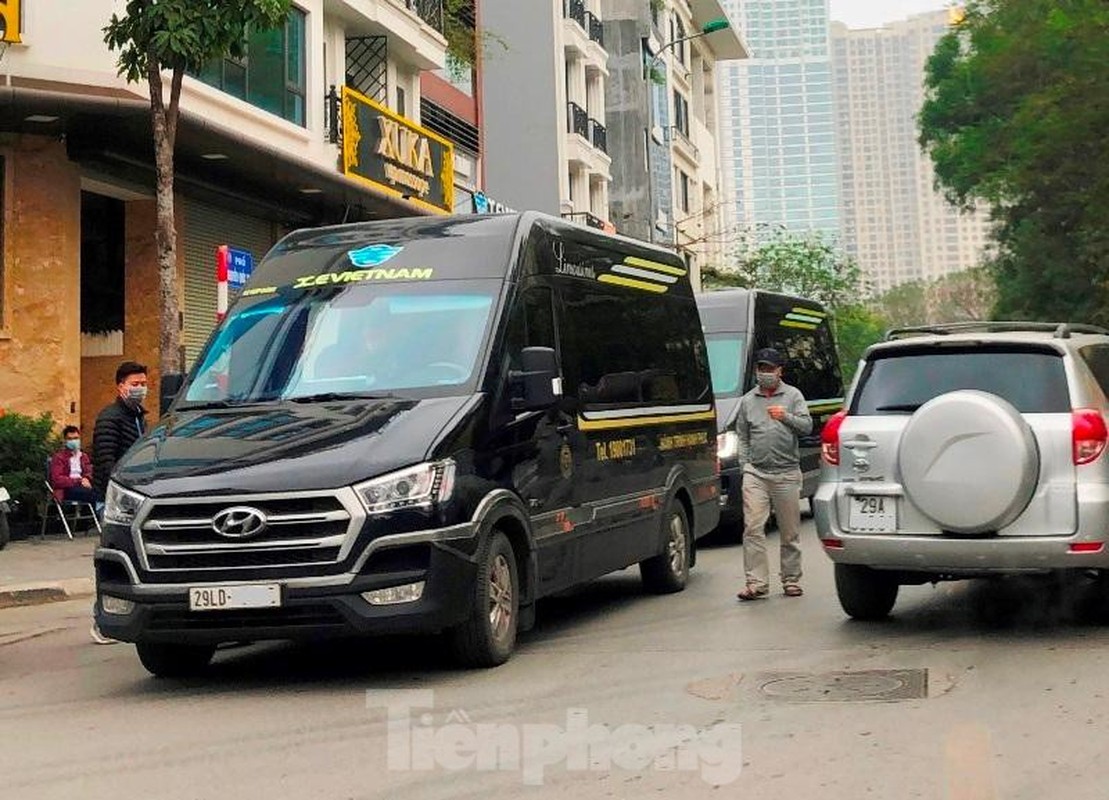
464	40
25	445
186	34
857	328
805	264
1016	110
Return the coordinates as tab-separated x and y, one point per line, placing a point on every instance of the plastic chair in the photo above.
81	509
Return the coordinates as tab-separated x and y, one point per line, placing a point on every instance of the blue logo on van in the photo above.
373	254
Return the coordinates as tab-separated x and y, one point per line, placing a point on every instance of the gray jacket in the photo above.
766	444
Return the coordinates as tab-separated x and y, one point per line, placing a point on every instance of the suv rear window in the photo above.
1033	381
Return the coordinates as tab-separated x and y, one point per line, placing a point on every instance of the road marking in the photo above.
968	754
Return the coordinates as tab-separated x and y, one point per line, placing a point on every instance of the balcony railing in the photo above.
595	28
598	135
577	119
430	11
585	217
575	10
683	140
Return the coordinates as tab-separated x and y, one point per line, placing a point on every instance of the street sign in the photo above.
240	264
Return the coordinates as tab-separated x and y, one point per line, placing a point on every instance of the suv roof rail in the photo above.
1061	330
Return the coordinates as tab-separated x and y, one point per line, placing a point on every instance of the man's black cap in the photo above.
768	355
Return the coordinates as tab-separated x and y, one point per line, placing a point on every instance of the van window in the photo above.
631	348
1034	382
361	338
726	360
812	364
532	323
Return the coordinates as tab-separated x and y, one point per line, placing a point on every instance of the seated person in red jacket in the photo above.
71	470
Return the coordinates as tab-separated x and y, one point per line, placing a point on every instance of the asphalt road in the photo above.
972	691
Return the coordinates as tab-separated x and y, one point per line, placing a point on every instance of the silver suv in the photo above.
967	450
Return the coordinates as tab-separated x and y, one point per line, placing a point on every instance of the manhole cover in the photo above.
847	687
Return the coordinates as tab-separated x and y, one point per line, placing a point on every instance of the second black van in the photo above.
740	322
416	426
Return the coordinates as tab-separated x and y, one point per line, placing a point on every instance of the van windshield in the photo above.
356	340
726	357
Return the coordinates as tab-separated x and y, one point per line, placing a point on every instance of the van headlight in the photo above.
421	485
727	445
121	505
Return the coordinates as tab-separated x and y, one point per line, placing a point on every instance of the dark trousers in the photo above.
79	494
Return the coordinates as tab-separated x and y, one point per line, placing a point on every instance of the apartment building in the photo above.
543	116
290	136
662	122
895	224
780	160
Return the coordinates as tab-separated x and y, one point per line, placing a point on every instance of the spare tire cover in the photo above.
969	461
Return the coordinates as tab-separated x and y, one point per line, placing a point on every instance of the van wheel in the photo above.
488	637
865	593
669	570
174	660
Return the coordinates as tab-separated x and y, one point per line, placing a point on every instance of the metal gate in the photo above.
206	228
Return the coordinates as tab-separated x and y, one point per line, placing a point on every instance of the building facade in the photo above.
662	122
544	110
777	123
895	224
260	151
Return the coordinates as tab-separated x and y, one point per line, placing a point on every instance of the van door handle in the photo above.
860	444
564	427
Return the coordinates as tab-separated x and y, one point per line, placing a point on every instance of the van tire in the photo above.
865	593
668	572
5	530
488	636
174	660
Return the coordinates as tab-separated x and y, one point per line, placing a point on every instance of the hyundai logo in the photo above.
239	522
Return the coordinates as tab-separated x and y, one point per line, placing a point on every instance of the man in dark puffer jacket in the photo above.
119	424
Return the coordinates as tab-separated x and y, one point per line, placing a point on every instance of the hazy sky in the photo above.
873	13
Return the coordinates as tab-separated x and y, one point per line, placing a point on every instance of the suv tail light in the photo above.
1089	434
829	438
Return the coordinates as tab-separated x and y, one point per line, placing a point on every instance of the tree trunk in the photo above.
164	119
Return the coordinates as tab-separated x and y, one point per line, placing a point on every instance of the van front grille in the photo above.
249	531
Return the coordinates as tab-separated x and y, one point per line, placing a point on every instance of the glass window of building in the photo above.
271	74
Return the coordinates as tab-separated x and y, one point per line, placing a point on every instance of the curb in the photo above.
33	594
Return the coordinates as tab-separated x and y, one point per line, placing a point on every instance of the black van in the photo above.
417	425
738	323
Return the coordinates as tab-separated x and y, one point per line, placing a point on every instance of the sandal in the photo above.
793	590
751	593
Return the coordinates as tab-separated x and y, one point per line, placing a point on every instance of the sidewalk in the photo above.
33	571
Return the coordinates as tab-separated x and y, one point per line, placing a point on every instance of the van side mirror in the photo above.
536	384
168	388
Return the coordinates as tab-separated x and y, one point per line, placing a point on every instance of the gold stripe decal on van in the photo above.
655	265
812	312
615	423
806	326
809	318
631	283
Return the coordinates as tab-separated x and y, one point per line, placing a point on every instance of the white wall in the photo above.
63	41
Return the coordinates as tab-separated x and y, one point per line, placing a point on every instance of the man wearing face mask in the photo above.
772	416
71	470
119	424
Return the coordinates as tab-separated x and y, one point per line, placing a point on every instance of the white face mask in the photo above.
136	393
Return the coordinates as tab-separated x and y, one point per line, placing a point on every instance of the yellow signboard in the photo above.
392	153
10	21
